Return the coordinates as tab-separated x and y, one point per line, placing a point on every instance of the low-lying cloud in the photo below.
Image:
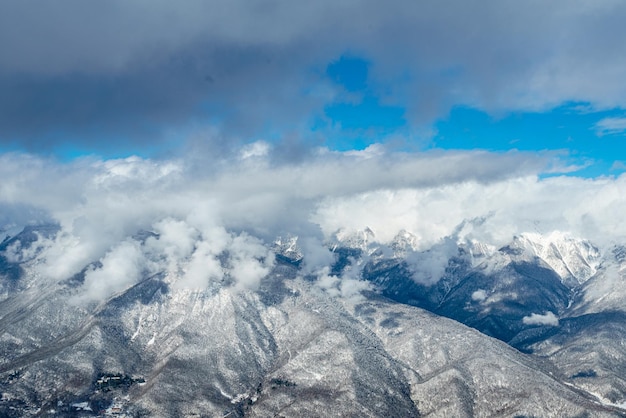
549	319
203	221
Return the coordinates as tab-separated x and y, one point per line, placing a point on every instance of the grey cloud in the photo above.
238	88
131	68
115	36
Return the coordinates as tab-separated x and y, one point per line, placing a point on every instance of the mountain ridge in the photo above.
295	347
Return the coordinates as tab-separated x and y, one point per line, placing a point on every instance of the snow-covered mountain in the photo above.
555	296
574	260
387	329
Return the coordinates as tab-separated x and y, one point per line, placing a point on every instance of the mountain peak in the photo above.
574	259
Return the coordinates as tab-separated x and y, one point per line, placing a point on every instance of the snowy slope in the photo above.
305	346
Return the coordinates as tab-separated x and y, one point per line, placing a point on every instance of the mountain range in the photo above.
461	329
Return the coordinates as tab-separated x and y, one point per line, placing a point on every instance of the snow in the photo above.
601	399
575	260
138	329
83	406
153	339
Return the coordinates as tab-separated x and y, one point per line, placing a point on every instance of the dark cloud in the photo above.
123	69
239	89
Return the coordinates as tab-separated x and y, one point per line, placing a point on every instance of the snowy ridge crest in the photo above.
575	260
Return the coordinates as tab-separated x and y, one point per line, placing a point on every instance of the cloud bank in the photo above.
213	220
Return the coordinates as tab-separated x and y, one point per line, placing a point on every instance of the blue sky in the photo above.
565	129
573	130
499	76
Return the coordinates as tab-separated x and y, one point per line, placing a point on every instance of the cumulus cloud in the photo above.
214	220
479	295
111	68
204	267
120	268
549	319
346	287
250	260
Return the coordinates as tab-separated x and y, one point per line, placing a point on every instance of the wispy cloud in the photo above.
611	126
618	166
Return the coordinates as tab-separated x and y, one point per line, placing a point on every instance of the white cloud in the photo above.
329	283
548	318
618	166
121	268
479	295
429	266
18	253
255	149
250	261
176	239
214	224
351	289
203	267
316	256
611	126
348	286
